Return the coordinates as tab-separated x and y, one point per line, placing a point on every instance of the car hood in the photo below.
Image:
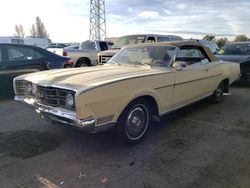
110	52
78	78
234	58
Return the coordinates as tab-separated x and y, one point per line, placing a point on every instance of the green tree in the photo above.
19	31
240	38
209	37
221	42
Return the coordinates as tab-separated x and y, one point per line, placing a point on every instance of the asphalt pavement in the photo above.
203	145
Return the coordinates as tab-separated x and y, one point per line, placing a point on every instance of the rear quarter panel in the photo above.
221	70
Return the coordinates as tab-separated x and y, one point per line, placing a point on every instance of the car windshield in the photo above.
128	40
160	56
87	46
236	49
211	45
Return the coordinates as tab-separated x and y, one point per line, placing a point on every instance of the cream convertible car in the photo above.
140	83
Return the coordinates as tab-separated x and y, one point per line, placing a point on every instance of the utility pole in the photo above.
97	29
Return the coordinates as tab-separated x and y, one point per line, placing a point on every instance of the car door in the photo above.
214	71
1	61
190	81
21	60
4	78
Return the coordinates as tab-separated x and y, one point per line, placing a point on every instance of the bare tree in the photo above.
33	31
19	31
38	29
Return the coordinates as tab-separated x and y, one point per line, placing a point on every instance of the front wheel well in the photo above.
83	59
151	102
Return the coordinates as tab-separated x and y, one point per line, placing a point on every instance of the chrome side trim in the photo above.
197	79
187	104
164	86
169	70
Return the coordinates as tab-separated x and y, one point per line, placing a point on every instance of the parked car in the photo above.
211	45
104	56
238	52
140	83
60	45
57	49
62	51
17	59
72	47
86	55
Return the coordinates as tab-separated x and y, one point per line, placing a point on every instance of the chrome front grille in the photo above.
21	87
52	96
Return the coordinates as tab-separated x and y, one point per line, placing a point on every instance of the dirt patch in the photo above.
26	144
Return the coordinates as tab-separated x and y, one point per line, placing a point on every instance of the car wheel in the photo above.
218	93
134	122
82	64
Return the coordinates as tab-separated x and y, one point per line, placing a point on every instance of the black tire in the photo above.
133	123
218	94
82	64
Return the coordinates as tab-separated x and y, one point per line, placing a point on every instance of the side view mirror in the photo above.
180	64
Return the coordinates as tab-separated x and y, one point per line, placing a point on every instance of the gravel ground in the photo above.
203	145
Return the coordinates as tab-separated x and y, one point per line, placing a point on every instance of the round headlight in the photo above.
29	88
70	100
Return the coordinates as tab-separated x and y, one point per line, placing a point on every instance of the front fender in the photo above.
141	93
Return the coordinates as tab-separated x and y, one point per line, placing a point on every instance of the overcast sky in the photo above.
68	20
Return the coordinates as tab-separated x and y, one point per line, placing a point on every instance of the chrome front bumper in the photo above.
60	115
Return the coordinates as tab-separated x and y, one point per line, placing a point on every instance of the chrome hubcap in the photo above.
137	122
218	91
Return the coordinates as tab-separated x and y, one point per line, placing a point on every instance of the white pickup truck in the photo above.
87	52
103	57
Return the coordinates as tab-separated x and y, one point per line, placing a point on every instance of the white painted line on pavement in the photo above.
207	123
